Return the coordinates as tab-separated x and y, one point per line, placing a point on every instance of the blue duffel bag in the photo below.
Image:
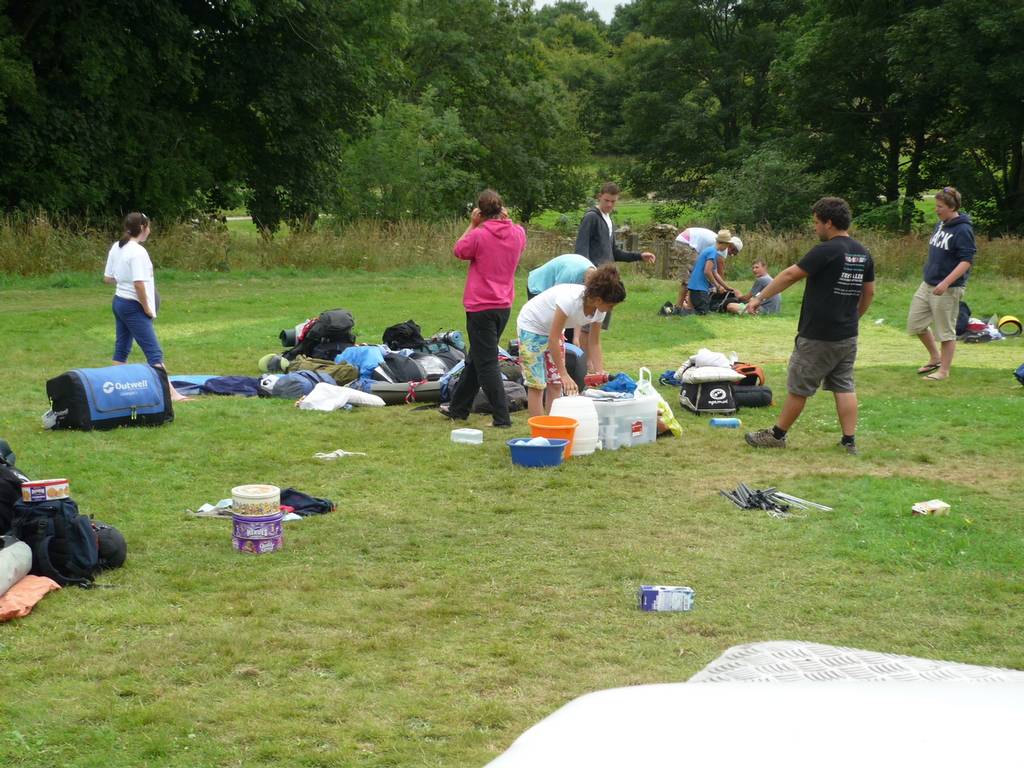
132	395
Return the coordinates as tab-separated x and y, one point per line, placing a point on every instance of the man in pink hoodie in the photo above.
492	244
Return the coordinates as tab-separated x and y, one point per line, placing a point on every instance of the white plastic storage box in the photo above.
627	422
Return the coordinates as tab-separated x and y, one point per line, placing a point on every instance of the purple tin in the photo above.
258	534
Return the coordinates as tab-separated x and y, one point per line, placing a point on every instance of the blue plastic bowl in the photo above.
537	455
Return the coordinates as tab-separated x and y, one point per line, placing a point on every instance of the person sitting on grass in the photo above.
761	281
540	326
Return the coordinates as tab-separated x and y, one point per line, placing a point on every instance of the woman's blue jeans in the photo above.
132	323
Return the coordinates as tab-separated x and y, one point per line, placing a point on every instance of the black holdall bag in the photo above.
133	395
715	397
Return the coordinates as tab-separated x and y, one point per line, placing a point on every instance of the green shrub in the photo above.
768	191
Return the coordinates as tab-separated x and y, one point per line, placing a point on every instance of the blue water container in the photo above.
731	423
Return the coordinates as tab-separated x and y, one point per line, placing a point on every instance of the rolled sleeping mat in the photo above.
287	337
1009	326
15	562
752	396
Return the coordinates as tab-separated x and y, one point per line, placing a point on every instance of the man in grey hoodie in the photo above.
934	308
595	239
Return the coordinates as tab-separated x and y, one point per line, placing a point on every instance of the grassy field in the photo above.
452	600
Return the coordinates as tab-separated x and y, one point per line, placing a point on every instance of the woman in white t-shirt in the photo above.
540	325
135	299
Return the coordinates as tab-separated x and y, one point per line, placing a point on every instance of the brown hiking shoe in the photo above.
765	438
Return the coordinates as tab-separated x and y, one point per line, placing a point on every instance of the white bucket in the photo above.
255	500
582	409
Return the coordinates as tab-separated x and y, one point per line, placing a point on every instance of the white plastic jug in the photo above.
582	409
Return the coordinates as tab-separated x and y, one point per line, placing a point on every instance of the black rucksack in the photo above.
405	335
63	542
963	317
329	335
515	396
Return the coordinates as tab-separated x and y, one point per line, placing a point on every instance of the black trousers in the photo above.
481	371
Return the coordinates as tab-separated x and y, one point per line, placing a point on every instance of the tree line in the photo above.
395	109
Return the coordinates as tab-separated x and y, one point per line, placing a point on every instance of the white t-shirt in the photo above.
697	238
608	220
538	313
128	264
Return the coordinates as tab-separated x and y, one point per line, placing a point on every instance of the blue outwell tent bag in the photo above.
104	398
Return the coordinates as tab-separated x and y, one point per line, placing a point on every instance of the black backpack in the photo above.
405	335
515	396
329	336
963	317
63	542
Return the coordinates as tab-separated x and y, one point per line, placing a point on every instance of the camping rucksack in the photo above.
405	335
1019	373
130	395
63	543
328	336
515	395
719	301
715	397
963	317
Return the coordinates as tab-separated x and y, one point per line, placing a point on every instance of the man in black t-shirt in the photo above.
840	286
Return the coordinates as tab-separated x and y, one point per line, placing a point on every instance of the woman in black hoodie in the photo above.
935	305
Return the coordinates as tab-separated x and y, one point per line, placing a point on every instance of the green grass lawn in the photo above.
453	600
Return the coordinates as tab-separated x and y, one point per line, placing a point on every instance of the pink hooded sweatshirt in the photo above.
492	250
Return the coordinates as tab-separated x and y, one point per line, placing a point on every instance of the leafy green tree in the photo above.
293	79
479	58
95	109
415	161
160	105
574	45
864	98
975	111
699	86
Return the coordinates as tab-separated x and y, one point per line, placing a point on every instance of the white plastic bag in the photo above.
645	388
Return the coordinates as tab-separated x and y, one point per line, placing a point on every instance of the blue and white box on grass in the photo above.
661	598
